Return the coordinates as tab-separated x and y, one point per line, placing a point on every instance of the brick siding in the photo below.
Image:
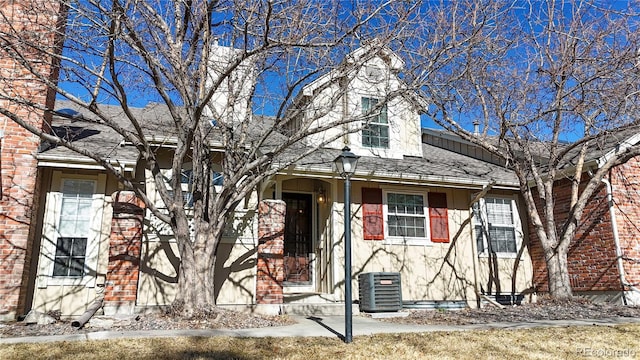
271	219
591	257
34	20
625	180
125	242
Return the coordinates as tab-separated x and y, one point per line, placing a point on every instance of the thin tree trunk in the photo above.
555	254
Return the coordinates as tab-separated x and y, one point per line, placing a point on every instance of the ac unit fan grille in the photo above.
380	292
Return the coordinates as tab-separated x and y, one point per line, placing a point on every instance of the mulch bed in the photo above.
544	309
213	319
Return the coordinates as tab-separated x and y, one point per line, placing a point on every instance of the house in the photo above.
18	170
450	224
603	257
412	213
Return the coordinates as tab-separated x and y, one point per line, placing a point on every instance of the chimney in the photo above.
476	127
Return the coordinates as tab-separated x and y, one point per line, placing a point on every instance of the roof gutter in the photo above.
66	163
399	178
570	171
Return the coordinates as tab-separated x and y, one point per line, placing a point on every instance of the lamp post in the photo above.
346	164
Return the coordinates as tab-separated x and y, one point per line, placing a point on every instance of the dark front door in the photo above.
298	242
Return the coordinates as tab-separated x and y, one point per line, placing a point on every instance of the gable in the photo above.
375	119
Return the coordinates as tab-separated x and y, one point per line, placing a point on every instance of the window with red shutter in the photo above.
438	217
372	216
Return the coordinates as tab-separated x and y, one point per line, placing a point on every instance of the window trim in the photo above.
71	256
369	121
517	227
402	240
229	236
187	187
50	235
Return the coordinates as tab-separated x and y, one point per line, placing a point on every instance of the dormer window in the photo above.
375	130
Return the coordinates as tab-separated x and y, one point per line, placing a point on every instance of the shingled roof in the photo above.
435	166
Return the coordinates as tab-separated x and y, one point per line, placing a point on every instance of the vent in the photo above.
374	73
380	291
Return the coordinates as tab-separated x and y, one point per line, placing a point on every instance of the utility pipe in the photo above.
91	310
616	240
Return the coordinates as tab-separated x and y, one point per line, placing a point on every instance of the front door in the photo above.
298	239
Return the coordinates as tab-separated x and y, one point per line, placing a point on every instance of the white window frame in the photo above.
230	236
50	234
516	224
187	187
370	121
405	240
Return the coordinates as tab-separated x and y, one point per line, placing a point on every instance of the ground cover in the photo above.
541	343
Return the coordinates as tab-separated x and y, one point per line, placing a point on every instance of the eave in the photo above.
398	178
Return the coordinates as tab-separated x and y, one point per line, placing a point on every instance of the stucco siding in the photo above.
432	271
235	272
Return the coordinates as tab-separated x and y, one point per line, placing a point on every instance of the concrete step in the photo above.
317	309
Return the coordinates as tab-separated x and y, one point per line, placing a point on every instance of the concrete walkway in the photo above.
327	326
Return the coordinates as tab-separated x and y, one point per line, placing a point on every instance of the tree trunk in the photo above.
555	253
195	282
195	290
558	274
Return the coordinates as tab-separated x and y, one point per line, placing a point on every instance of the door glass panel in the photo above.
298	242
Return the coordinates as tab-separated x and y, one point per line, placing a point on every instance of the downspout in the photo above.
1	143
474	258
345	114
474	247
88	314
616	240
2	135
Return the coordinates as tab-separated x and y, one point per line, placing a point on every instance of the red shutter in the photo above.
438	217
372	217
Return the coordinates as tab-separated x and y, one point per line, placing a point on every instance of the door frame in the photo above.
311	287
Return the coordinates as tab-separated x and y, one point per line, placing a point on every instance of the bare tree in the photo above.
547	80
122	51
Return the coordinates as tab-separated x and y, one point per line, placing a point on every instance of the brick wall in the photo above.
125	241
591	257
625	180
271	220
36	21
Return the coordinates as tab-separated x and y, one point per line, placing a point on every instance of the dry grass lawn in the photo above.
621	342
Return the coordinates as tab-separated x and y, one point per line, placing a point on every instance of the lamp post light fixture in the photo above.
346	164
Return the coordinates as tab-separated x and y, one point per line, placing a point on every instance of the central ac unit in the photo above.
380	291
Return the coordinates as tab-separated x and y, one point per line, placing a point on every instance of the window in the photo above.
375	131
187	187
406	216
217	178
70	255
73	228
186	183
495	224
